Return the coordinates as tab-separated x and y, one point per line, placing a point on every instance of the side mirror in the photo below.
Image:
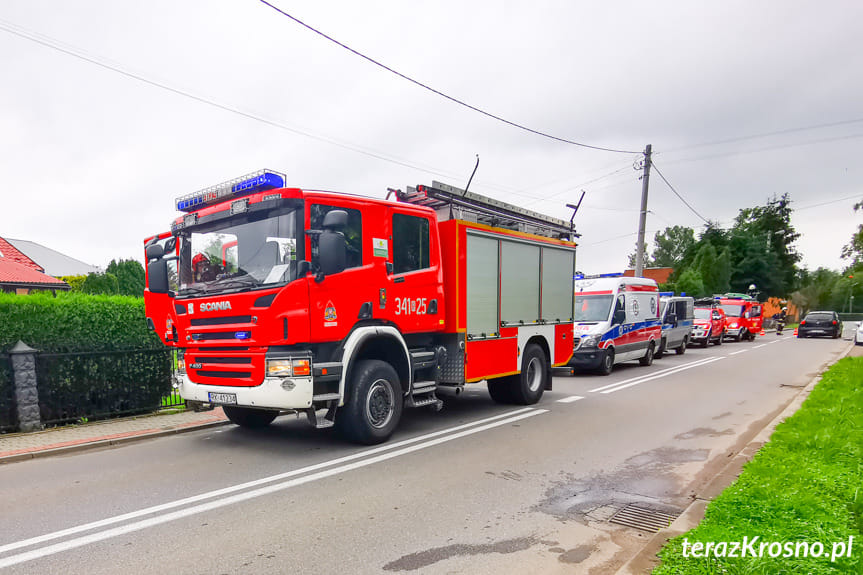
157	274
332	252
155	252
619	316
335	219
671	318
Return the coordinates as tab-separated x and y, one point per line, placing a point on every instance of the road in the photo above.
477	488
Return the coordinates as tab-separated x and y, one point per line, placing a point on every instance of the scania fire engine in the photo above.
348	309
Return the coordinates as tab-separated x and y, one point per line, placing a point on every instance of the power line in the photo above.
766	134
854	197
667	183
572	188
438	92
49	42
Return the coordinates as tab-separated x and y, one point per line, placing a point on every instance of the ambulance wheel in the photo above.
249	417
681	349
648	357
374	405
661	351
607	364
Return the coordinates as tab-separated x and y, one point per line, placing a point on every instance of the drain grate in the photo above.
642	518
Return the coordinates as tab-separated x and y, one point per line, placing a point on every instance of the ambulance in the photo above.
616	319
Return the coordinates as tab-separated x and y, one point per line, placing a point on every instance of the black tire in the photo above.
249	417
499	390
607	365
706	339
527	387
647	360
719	339
681	349
661	351
374	405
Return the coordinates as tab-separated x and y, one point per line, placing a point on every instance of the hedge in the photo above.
79	372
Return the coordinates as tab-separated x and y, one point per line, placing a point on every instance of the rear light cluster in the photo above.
289	367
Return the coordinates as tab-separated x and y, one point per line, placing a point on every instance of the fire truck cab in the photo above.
348	309
616	320
743	316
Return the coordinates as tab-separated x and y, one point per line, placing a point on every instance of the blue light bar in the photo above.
248	184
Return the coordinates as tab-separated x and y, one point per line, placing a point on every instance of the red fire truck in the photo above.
345	308
743	317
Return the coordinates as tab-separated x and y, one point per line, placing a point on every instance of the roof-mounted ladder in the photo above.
453	203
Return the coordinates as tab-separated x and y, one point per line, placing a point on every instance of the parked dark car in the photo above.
820	323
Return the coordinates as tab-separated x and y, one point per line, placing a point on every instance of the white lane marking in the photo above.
570	399
683	368
736	352
700	361
180	514
757	346
226	490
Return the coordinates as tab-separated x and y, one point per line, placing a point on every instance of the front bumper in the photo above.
587	359
273	393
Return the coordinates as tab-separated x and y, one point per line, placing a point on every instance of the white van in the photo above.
616	320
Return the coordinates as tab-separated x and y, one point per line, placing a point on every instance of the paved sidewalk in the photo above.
59	440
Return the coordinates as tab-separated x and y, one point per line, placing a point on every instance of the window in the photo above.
410	243
353	233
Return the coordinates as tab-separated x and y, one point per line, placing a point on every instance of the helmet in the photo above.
199	259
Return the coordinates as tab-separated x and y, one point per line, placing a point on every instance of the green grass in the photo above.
804	485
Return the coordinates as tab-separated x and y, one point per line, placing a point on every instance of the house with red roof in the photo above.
19	274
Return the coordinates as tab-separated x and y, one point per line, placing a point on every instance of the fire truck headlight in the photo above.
279	368
589	341
302	367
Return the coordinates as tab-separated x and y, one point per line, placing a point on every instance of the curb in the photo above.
646	560
112	442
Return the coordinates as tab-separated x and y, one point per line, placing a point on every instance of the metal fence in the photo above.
83	386
8	412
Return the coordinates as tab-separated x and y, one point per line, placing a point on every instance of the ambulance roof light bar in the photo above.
440	195
242	186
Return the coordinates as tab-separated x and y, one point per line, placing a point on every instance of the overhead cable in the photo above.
667	183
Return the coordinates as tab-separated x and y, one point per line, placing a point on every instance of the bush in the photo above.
97	357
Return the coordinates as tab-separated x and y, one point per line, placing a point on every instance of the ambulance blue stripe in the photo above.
614	333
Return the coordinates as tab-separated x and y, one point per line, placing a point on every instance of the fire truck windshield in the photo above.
702	313
238	254
592	307
732	310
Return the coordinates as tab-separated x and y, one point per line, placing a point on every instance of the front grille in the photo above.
224	374
199	321
232	360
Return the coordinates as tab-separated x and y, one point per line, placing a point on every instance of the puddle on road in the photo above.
428	557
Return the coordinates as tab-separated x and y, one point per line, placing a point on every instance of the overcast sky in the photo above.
92	159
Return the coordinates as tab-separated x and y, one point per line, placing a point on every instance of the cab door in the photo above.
159	308
414	276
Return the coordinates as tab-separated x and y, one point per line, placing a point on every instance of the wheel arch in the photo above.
383	343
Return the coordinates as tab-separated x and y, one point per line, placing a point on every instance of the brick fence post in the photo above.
26	393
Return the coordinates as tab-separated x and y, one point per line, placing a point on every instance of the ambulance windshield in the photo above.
592	307
241	253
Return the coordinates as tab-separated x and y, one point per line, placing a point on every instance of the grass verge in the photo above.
804	486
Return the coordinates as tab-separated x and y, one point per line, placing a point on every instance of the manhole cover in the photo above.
643	518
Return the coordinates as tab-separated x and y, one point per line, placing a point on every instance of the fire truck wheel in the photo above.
499	390
648	357
249	417
526	388
682	348
374	405
719	340
661	351
607	363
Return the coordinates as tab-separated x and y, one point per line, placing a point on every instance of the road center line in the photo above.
657	376
179	514
757	346
736	352
692	363
570	399
249	484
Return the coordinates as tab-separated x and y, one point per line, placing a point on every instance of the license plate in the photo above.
816	331
230	398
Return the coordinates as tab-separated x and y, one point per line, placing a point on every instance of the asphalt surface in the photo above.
476	488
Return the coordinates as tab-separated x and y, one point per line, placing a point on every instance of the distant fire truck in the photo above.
348	309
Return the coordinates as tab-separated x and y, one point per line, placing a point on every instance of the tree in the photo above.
690	283
816	290
670	246
853	250
130	276
101	283
634	254
75	282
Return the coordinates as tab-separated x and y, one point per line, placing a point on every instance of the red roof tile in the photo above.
15	273
10	254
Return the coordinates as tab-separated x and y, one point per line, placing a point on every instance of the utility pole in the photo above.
642	217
